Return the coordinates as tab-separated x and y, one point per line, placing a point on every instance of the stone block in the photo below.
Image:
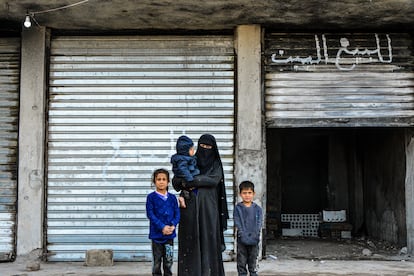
99	257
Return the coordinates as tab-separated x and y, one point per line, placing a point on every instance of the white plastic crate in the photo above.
334	216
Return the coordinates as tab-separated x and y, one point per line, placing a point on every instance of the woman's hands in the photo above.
177	183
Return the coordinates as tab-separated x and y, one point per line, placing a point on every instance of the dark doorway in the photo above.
304	172
359	170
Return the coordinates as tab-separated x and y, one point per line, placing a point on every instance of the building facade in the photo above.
319	119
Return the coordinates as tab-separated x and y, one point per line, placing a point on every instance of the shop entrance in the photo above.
358	173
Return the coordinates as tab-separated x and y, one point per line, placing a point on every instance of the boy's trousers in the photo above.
247	256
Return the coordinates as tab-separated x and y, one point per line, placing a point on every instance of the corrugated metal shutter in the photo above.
117	106
318	80
9	101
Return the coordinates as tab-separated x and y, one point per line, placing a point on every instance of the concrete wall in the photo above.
32	140
384	184
409	189
250	145
213	15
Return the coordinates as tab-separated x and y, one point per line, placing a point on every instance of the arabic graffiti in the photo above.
345	58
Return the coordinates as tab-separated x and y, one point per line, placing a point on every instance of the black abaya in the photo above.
200	231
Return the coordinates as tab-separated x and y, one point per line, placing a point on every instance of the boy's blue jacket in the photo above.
161	213
248	232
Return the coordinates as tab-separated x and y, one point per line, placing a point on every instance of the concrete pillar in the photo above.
409	191
31	140
250	160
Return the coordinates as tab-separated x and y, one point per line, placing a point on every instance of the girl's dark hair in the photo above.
157	172
245	185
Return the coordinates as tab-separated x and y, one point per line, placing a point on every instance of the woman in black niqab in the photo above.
200	232
209	163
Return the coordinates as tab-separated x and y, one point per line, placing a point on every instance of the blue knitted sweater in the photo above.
160	213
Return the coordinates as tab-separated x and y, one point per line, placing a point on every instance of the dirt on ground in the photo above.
333	249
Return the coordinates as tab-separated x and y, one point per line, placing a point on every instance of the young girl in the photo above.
164	215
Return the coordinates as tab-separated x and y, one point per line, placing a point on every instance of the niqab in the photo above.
206	157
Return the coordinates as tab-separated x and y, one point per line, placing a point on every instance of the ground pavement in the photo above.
282	267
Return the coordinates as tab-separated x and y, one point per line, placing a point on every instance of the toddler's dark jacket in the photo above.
184	165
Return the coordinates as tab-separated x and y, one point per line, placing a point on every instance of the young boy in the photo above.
164	215
248	219
184	163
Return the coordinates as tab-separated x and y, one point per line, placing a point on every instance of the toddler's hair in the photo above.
245	185
157	172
